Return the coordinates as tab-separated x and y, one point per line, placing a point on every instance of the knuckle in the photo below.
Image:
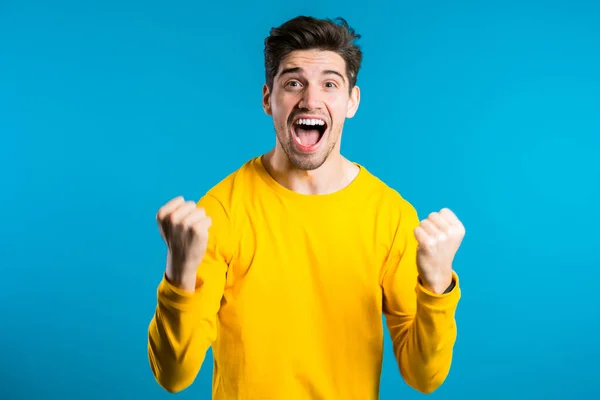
426	244
199	227
160	214
186	224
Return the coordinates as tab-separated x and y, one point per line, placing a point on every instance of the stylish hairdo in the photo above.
308	33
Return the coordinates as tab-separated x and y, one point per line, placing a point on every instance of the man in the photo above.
286	266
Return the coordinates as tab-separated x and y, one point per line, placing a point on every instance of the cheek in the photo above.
338	115
280	116
283	98
338	107
281	109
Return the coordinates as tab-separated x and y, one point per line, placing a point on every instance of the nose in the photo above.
311	98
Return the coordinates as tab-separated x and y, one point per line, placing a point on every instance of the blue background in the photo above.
110	108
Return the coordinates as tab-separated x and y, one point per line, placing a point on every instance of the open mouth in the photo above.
308	132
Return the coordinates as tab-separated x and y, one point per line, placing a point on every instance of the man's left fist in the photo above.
439	237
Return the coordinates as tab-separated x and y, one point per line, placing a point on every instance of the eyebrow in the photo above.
295	70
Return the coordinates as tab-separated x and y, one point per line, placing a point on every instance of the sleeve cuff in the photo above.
173	297
439	301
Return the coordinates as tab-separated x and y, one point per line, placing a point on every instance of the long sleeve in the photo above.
184	325
422	324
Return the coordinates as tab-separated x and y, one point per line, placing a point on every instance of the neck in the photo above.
336	173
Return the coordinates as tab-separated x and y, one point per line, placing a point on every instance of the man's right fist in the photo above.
184	228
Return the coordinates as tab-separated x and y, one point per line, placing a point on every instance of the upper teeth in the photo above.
310	122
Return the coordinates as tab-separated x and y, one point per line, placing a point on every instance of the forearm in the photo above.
424	346
180	333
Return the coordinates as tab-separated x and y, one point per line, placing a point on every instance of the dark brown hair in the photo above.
308	33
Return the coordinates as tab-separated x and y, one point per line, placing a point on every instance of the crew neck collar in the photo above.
352	188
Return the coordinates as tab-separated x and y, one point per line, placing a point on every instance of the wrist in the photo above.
438	286
185	282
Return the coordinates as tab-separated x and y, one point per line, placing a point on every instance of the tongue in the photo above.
308	137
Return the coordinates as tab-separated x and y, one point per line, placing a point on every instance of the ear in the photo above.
353	102
266	100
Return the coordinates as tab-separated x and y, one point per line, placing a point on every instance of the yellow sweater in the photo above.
291	292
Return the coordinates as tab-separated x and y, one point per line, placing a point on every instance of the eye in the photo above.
292	84
330	85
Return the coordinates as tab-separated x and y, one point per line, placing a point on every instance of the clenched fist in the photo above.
439	237
184	228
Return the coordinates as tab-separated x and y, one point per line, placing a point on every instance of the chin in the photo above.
305	163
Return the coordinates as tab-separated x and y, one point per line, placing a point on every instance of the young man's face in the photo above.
309	102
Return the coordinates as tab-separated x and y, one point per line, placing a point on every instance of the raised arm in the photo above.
420	313
184	324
